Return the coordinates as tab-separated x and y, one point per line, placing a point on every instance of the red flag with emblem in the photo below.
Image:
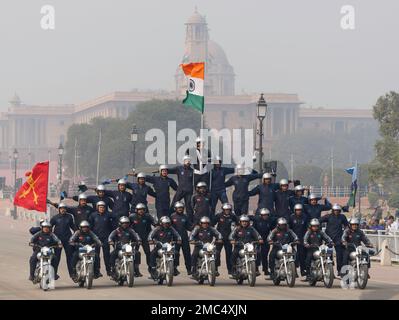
33	193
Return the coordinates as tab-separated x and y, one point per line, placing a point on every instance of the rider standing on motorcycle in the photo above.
281	200
122	199
120	236
164	233
84	236
140	191
266	191
101	224
313	239
314	209
242	234
204	233
201	203
280	235
297	198
41	239
352	238
141	222
263	223
224	222
62	224
298	223
182	224
336	223
99	196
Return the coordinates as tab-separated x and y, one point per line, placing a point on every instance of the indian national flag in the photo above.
195	91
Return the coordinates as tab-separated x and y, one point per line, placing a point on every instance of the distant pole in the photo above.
292	166
75	160
332	169
359	187
98	156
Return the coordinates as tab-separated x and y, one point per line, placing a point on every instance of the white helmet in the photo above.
312	196
315	222
122	181
186	158
201	184
83	224
264	211
244	218
178	204
199	139
267	175
298	188
336	206
239	169
140	206
100	203
165	220
227	206
123	220
283	181
100	187
298	206
217	160
141	175
354	220
205	219
62	205
82	196
281	221
45	224
163	167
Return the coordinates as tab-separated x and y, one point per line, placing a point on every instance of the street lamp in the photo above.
261	115
15	156
134	136
60	154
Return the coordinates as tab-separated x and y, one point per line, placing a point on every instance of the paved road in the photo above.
14	254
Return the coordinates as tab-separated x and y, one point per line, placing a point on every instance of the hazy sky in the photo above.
296	46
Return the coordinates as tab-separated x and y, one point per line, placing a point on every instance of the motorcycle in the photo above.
245	268
322	266
206	264
359	261
85	266
124	265
285	265
165	263
44	272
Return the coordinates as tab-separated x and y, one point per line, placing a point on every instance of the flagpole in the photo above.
358	185
98	157
48	186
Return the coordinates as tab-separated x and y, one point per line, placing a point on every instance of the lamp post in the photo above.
261	115
134	136
60	154
15	156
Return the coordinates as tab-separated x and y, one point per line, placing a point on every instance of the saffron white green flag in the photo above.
195	92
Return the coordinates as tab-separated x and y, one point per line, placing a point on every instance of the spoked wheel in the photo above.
212	273
362	278
169	273
45	280
252	274
290	276
328	278
89	276
130	275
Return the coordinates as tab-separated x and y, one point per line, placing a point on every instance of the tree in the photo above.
385	167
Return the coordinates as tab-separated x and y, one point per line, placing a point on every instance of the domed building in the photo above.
219	74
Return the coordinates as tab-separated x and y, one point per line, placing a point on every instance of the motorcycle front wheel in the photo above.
212	273
169	273
130	275
89	276
45	280
252	273
363	276
290	276
328	278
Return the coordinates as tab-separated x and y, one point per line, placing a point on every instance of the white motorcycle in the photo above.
165	263
44	272
245	267
285	265
322	266
359	261
124	265
206	264
85	266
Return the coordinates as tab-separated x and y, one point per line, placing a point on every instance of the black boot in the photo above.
176	272
137	272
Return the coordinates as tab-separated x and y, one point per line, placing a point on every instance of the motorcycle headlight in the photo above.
280	254
210	247
81	255
249	247
120	254
241	253
352	255
39	254
316	254
201	253
160	252
169	247
127	248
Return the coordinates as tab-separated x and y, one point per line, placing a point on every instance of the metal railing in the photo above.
377	238
337	191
